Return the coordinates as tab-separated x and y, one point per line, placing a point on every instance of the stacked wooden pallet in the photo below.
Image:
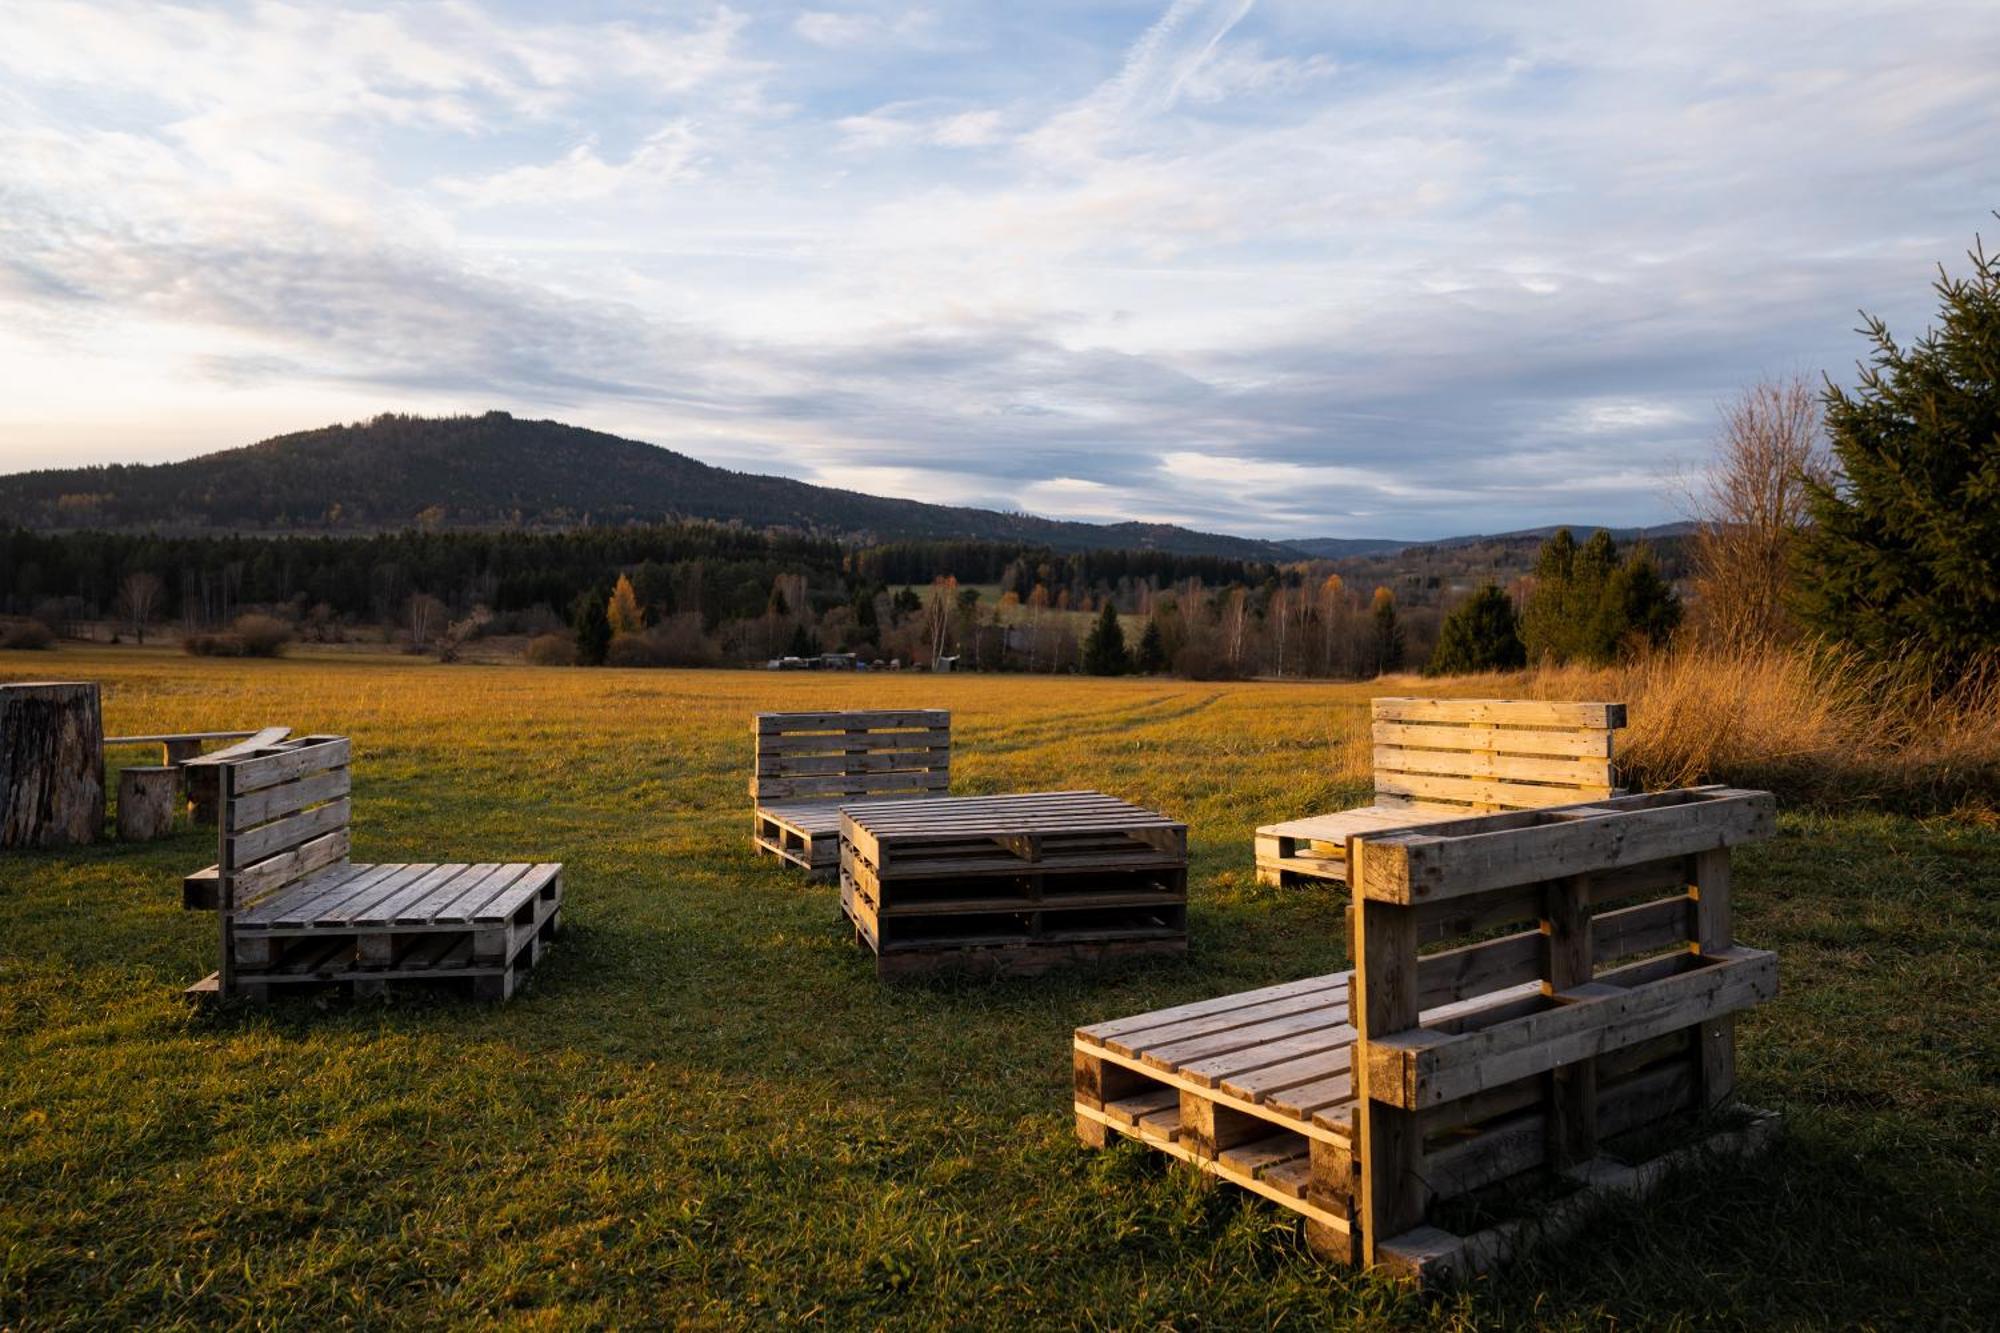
1012	883
295	912
1441	759
1363	1099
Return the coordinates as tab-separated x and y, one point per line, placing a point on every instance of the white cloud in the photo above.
1266	267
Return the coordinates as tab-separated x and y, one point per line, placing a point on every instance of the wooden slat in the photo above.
1591	775
1434	865
303	756
856	742
857	784
288	797
857	719
1493	792
1583	744
1418	1067
253	742
1533	713
291	831
1101	1033
248	883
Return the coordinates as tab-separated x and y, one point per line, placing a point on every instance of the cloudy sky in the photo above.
1277	267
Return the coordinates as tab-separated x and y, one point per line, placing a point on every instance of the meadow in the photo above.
705	1111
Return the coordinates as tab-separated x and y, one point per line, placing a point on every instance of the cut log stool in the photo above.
146	803
51	764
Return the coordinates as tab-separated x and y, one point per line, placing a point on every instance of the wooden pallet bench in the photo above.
296	912
809	765
1012	884
1440	759
1497	1063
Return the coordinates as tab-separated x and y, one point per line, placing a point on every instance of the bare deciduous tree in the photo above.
428	618
138	599
1750	504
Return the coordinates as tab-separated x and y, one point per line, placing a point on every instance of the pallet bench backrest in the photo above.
283	815
805	756
1482	755
1590	993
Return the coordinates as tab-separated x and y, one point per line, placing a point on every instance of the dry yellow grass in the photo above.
1810	724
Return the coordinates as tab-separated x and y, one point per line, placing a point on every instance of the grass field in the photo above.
705	1110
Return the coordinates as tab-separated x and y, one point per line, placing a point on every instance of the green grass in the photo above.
705	1110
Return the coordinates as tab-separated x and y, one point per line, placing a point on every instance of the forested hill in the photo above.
496	471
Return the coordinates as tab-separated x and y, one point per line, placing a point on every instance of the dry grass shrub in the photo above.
1811	723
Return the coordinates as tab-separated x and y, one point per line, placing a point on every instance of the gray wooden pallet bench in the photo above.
1439	759
1375	1101
295	912
809	765
1012	884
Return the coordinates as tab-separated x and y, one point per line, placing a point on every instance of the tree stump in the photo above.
146	803
51	764
204	791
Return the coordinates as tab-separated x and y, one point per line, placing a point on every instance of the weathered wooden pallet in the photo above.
295	911
1012	883
1440	759
808	765
366	926
1257	1089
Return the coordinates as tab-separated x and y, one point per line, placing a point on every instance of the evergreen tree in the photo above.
1638	606
1902	558
1483	634
1388	633
1587	605
593	628
802	644
1544	624
1104	649
1152	649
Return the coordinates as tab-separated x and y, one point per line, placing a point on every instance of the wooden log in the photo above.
51	764
146	803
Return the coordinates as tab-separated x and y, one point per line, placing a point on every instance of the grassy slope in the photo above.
705	1108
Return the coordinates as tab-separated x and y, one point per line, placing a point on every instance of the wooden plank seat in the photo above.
1014	883
1442	759
809	765
295	911
1364	1100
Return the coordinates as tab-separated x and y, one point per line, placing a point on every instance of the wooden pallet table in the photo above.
809	765
1012	884
1510	1062
296	912
1442	759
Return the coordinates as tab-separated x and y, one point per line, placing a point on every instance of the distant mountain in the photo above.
1335	548
496	471
1579	530
1332	548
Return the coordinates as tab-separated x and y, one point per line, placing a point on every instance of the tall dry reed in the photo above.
1811	723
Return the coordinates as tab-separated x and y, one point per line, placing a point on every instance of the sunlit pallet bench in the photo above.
295	912
1440	759
1586	991
1012	884
809	765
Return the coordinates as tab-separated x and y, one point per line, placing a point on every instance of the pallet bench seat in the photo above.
1506	1062
296	912
809	765
1442	759
1012	884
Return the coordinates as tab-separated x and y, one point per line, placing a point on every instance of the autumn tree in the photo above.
622	612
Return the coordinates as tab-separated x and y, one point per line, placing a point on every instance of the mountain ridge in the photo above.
499	471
